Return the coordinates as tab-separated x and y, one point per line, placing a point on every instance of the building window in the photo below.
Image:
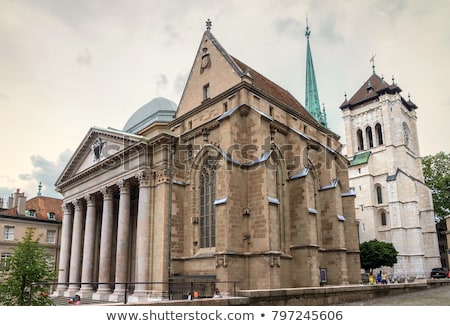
383	219
379	134
225	107
8	233
51	216
4	263
206	94
359	137
207	221
369	137
406	133
51	236
31	213
379	195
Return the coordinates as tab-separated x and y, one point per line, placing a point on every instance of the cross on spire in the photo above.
208	24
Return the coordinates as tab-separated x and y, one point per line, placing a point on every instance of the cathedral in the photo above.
393	204
237	184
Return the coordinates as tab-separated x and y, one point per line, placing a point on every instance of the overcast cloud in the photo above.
66	66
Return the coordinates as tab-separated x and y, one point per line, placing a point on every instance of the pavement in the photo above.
438	296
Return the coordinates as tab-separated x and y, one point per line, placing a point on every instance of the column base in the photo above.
101	295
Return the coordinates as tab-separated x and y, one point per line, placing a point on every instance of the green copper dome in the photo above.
159	109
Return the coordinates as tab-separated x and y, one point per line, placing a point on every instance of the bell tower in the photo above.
393	204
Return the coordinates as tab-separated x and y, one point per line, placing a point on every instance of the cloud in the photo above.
46	172
84	58
161	82
4	97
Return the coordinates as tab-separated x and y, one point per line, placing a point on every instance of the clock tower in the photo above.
393	204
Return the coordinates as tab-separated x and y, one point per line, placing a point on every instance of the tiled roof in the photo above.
41	205
269	87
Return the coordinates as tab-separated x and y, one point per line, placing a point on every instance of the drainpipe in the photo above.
169	226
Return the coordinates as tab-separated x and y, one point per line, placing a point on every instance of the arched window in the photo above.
369	137
379	195
379	134
383	219
359	137
207	221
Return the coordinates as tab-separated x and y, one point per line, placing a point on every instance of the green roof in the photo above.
360	158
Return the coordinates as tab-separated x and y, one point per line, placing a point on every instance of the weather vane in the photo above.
372	59
208	24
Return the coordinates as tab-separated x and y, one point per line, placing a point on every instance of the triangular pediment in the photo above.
214	68
98	145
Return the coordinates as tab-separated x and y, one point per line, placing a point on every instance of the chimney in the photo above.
21	203
10	201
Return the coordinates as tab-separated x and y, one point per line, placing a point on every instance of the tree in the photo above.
437	178
28	264
375	254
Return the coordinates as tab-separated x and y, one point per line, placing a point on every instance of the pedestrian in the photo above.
76	299
371	280
189	296
384	277
217	294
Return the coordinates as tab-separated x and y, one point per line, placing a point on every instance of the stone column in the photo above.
77	243
142	234
64	255
105	246
123	240
88	250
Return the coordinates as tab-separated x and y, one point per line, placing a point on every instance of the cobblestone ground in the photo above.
439	296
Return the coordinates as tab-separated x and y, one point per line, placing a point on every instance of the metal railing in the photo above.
174	290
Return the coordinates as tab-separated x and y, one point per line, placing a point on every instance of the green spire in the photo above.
311	94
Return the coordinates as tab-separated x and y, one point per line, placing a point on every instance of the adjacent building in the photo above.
40	214
236	184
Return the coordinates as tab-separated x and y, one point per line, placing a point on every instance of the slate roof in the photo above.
371	90
269	87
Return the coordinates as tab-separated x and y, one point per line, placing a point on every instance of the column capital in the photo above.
78	204
67	207
90	199
107	193
124	186
143	177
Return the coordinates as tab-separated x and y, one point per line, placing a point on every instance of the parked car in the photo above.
438	272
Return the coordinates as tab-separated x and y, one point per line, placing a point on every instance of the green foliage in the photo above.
375	254
28	264
437	178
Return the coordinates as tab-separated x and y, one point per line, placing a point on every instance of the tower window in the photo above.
383	219
359	137
369	137
379	195
271	111
379	134
206	94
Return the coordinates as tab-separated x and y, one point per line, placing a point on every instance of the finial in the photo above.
307	32
345	96
39	189
393	80
409	97
372	59
208	24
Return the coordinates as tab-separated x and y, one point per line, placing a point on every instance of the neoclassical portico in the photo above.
109	199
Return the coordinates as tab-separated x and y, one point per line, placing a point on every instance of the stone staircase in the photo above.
64	301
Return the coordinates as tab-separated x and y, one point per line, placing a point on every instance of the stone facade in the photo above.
243	187
393	204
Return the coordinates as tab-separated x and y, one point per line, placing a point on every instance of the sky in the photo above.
69	65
